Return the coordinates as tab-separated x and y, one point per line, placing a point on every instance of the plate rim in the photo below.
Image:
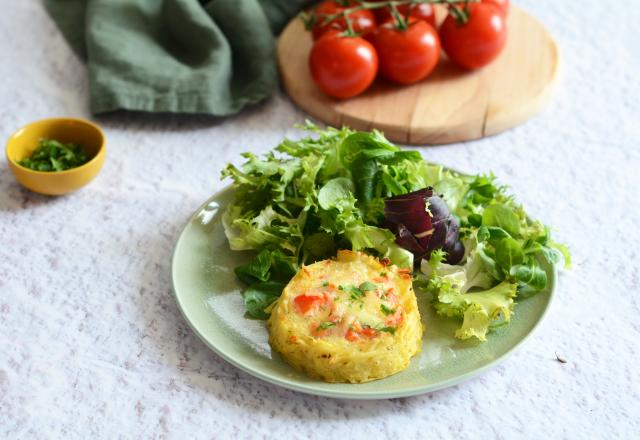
311	389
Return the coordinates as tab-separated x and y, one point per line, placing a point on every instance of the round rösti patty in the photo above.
352	319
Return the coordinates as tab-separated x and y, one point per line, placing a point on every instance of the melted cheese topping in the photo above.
347	299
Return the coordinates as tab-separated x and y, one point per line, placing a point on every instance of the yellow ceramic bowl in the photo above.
84	133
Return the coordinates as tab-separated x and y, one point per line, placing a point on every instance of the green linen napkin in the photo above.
182	56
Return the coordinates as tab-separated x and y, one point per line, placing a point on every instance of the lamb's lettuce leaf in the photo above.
258	297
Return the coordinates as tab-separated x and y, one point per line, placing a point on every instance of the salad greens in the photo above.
320	194
308	198
423	222
503	254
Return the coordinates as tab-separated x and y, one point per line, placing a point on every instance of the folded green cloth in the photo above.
183	56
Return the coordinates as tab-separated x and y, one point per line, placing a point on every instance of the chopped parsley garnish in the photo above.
391	330
354	292
52	155
325	325
383	274
325	283
387	310
367	286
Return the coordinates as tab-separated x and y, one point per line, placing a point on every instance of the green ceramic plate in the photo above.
209	297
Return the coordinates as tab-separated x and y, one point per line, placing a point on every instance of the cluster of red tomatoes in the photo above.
405	46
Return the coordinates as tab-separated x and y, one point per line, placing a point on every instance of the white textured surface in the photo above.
91	342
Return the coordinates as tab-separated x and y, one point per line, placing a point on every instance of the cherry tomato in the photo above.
420	11
351	335
477	42
407	56
368	332
343	66
502	4
307	302
363	21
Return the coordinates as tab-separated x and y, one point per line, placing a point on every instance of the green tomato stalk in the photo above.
310	19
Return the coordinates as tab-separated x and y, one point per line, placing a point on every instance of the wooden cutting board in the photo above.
451	105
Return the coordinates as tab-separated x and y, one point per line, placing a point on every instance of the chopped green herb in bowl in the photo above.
56	156
52	155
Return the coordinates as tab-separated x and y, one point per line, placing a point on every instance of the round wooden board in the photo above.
451	105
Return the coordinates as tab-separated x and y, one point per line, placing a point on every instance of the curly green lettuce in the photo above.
465	292
312	196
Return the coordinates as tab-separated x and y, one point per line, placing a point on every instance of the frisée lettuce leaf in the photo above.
465	292
321	193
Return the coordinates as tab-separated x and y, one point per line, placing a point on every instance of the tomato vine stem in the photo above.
310	19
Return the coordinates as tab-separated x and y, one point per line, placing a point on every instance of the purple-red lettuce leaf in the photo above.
423	223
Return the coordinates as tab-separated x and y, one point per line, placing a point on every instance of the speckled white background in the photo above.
93	346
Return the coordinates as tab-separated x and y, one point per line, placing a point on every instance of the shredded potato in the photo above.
352	319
